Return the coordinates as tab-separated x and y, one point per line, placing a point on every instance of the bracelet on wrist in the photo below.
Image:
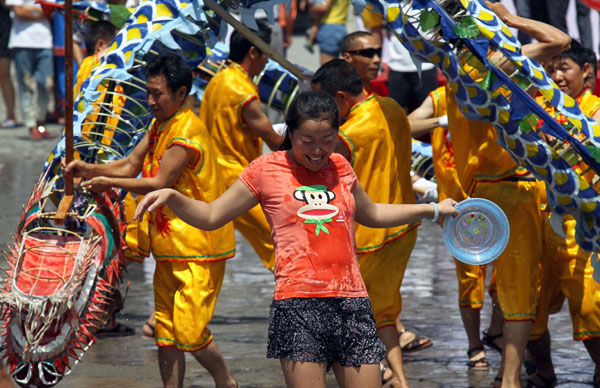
436	212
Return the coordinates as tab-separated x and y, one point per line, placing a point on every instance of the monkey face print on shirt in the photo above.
317	210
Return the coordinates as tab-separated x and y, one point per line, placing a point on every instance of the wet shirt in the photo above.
479	158
171	238
224	99
448	184
377	135
311	215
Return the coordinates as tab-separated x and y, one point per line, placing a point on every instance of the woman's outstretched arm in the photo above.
384	215
234	202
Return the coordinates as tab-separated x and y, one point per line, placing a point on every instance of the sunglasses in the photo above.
368	52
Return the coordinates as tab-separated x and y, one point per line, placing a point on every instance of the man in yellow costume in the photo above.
362	50
486	170
566	267
231	110
176	152
431	118
375	138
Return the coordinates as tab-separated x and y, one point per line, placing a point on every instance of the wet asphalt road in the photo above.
240	321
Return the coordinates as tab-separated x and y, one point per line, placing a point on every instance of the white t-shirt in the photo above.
400	59
26	33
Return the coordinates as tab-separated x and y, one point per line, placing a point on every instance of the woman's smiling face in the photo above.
312	143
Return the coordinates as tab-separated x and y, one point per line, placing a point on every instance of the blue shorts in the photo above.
330	38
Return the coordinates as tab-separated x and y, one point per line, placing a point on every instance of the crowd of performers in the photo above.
332	213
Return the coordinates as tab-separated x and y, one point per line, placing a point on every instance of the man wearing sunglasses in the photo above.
362	50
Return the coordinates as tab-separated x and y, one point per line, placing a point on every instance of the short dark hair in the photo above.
239	45
578	54
591	59
349	41
176	72
310	105
338	75
97	30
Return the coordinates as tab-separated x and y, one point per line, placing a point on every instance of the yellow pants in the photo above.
517	268
471	284
185	294
567	272
382	272
254	227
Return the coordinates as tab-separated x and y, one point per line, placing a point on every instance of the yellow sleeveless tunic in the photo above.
378	137
444	165
236	146
224	98
171	238
479	158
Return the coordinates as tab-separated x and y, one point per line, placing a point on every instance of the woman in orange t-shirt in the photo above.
321	316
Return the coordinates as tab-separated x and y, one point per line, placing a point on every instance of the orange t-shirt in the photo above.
311	214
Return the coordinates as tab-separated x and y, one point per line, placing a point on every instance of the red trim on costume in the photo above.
244	103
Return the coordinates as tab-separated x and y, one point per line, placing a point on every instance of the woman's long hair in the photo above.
311	105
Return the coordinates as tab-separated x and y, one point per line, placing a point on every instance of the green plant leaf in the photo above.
466	28
595	152
118	15
429	19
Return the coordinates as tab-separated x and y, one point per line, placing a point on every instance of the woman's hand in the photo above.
446	208
151	201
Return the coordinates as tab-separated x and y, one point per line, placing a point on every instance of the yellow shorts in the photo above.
567	272
185	294
254	227
471	284
382	272
136	233
517	268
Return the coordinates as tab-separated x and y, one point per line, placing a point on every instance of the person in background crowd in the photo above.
329	22
31	45
6	85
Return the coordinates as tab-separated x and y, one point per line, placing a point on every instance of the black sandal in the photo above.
546	382
488	340
472	364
